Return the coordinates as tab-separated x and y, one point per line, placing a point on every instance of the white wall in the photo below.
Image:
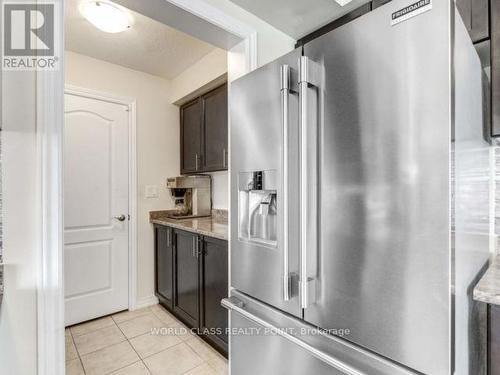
157	143
209	68
21	212
271	42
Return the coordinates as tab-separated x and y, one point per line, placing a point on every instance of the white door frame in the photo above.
50	122
131	104
216	17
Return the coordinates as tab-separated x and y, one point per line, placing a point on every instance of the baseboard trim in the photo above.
145	302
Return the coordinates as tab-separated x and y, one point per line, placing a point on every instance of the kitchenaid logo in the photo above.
411	11
29	31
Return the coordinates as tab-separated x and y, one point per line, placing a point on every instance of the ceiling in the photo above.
149	46
298	18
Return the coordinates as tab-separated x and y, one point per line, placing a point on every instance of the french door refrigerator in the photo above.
341	251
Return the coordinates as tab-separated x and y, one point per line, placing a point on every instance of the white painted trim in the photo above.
131	105
99	95
50	291
50	277
251	51
132	206
226	22
492	195
146	302
209	13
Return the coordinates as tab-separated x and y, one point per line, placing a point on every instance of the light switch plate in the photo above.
151	191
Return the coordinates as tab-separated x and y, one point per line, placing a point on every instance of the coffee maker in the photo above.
192	196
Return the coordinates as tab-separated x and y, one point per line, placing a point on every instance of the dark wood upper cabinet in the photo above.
378	3
204	133
480	20
191	134
164	258
215	129
186	280
475	14
214	317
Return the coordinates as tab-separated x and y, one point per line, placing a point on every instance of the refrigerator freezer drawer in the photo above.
266	341
272	355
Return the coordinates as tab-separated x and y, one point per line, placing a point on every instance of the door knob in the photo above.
120	218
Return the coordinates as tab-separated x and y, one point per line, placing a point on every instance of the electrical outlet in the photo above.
151	191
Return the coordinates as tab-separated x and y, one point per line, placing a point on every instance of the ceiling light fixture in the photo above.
343	2
106	16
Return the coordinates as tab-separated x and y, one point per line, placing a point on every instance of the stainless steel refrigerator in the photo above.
341	229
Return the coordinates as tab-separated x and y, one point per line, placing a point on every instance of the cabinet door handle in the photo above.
169	237
224	162
193	248
197	161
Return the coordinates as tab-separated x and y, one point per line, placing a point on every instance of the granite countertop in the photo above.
488	288
212	226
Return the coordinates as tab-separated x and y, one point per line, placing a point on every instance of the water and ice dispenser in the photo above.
258	207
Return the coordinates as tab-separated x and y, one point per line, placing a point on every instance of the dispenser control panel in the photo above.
258	207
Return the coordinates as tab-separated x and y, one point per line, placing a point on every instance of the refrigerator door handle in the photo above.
309	76
233	304
285	73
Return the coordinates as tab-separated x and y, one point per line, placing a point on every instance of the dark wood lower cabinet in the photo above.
186	277
164	260
191	280
214	317
494	341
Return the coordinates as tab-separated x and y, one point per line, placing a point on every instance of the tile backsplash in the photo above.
476	208
479	189
473	192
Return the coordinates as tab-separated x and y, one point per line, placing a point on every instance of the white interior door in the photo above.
95	196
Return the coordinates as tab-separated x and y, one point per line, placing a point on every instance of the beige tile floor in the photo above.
129	343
